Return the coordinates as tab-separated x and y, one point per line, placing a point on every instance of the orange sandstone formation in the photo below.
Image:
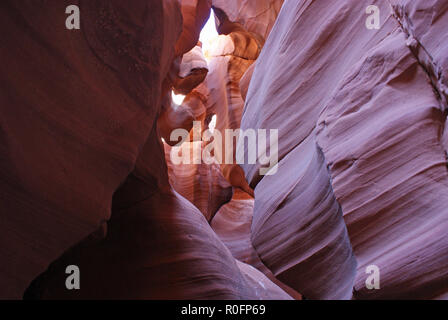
88	178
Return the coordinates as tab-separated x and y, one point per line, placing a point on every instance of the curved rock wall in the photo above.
257	17
90	157
87	178
372	110
76	110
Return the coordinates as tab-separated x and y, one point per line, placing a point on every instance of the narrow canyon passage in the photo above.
237	149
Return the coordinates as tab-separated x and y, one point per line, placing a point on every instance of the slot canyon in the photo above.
89	173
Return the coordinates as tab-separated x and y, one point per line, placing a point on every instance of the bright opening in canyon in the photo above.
212	124
208	35
178	99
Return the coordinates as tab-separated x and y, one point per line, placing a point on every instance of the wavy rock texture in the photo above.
232	224
245	81
298	230
202	184
402	175
230	56
76	110
192	71
361	103
184	77
257	17
362	174
264	288
424	22
158	246
195	14
91	153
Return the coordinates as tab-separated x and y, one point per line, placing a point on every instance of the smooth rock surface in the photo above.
362	103
75	110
